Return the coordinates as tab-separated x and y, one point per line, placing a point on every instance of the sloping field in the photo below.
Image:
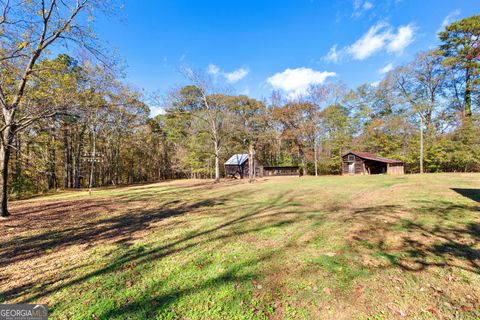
373	247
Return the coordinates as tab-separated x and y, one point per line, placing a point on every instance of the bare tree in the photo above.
27	30
420	84
211	110
321	96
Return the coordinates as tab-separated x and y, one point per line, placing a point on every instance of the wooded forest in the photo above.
71	121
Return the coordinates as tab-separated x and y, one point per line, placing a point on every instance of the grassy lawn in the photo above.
373	247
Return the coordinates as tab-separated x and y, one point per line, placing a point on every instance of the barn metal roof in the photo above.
371	156
237	159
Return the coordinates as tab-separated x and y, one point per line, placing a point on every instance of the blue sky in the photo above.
257	46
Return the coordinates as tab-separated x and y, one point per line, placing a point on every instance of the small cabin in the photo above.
237	166
365	163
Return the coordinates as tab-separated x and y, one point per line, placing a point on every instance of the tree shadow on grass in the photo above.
86	227
147	306
237	275
274	213
473	194
433	237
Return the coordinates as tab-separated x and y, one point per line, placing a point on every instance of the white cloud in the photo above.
386	69
231	77
332	55
213	69
297	81
379	37
449	19
236	75
371	42
357	4
367	5
402	39
375	83
360	7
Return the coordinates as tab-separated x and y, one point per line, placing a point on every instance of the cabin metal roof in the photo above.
237	159
371	156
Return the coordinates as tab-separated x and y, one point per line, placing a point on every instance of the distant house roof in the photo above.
371	156
237	159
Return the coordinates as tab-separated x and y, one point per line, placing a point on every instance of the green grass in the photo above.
371	247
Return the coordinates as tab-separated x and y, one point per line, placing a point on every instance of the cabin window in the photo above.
351	157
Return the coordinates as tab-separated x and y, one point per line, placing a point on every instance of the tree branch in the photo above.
5	10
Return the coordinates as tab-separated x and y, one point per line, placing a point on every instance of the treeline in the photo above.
94	130
97	133
424	113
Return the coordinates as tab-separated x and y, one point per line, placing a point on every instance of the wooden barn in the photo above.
354	162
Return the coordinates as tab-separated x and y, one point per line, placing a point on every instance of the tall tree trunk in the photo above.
70	160
5	150
117	166
131	174
217	160
52	162
302	159
93	159
421	144
78	159
468	92
251	163
315	156
66	155
18	163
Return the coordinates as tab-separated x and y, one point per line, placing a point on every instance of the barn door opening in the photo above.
351	168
